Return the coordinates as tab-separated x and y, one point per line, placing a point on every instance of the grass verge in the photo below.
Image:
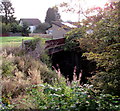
13	41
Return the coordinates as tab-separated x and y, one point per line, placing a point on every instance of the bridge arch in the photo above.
67	60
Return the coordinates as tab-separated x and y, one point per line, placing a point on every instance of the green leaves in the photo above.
4	28
103	46
72	39
63	97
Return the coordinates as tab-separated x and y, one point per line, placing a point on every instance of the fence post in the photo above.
22	43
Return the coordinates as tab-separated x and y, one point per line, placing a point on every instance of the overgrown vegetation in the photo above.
62	97
74	98
101	43
19	71
28	83
72	39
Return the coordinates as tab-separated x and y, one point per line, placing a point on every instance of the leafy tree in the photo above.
2	18
75	7
42	28
72	37
15	28
100	39
52	15
7	11
103	46
5	28
25	30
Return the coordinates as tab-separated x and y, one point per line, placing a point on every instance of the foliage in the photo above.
46	59
62	97
31	44
25	88
25	30
4	28
5	104
103	46
23	70
7	68
99	37
52	15
37	46
72	39
15	28
8	11
42	28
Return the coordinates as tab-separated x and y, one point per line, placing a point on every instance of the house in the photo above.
59	29
31	22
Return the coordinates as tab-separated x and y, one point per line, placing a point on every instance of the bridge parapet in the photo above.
55	45
54	42
51	46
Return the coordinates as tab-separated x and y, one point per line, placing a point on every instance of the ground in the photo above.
13	41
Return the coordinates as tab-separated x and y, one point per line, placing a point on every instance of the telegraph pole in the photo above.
79	12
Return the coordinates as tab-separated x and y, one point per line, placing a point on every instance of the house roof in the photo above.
58	23
77	24
64	25
31	22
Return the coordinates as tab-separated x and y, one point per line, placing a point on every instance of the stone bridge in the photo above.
67	60
55	45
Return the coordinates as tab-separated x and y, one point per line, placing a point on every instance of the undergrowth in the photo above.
29	84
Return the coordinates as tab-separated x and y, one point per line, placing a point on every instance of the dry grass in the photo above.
20	71
75	78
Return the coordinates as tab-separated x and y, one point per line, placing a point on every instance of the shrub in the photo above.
26	88
75	98
7	68
20	71
36	49
4	28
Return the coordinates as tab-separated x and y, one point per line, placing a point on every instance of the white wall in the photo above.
32	28
21	23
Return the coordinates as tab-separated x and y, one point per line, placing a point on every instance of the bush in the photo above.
36	49
103	47
16	28
72	38
32	85
75	98
20	71
4	28
7	68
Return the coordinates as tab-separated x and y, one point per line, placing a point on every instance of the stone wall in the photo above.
40	35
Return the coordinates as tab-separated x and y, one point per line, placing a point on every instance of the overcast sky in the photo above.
34	8
38	8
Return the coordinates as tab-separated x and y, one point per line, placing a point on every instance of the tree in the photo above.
52	15
75	7
7	11
103	46
15	28
42	28
5	28
25	29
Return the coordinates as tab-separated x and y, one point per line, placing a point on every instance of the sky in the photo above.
34	8
38	8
